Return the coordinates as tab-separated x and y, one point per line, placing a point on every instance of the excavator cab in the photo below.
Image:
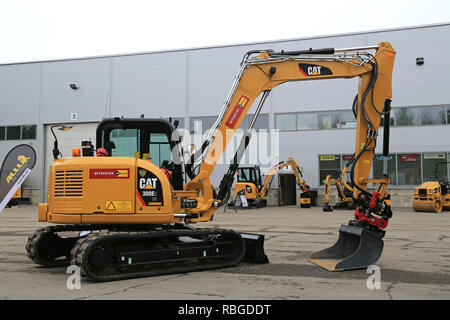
147	139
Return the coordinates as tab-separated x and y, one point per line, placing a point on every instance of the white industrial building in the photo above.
314	118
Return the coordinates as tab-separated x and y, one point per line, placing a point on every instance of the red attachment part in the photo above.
374	221
373	201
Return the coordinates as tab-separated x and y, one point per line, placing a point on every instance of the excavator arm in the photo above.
360	242
260	72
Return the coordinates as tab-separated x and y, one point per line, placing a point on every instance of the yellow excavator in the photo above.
345	193
133	220
434	195
249	183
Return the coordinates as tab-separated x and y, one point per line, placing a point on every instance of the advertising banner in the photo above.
16	167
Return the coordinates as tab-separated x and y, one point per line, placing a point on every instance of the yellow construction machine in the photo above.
345	193
433	196
134	220
249	183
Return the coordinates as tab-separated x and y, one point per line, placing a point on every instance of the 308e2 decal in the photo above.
149	189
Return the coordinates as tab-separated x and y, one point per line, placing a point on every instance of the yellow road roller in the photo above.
432	196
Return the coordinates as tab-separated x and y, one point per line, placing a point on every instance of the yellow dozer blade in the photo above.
356	248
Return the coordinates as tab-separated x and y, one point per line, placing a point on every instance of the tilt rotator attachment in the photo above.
360	242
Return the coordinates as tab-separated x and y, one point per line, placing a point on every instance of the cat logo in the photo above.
309	70
314	71
147	184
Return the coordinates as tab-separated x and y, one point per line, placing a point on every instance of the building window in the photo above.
378	164
201	124
329	164
348	120
407	116
409	169
28	132
448	115
180	122
430	160
285	121
432	115
13	133
2	133
307	121
329	120
262	122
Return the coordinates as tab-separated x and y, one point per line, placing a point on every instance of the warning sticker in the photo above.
118	205
237	111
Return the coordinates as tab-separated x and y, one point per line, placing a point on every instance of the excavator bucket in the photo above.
356	248
254	248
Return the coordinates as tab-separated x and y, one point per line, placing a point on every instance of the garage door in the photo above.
67	140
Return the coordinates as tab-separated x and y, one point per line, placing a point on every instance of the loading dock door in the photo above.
287	189
67	140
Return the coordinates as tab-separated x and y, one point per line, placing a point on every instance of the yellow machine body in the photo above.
250	189
18	194
429	197
105	190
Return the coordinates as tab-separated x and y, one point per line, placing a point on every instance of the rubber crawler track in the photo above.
128	238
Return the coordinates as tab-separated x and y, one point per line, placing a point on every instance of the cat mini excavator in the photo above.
345	193
149	217
249	183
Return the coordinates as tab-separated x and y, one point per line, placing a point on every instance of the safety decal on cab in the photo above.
237	111
309	70
149	189
109	173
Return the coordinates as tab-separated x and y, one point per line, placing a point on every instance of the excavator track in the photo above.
47	248
135	251
118	256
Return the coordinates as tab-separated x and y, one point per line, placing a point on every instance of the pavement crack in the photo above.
388	291
131	287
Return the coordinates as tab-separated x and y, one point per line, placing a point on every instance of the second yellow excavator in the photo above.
345	193
249	183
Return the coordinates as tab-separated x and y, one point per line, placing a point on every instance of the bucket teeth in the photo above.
356	248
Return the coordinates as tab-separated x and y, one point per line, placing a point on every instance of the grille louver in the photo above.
69	183
422	192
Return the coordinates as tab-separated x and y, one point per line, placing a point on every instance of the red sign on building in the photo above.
408	157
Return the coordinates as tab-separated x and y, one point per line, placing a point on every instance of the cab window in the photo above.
159	148
126	142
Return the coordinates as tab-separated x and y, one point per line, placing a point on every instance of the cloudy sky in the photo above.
33	30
